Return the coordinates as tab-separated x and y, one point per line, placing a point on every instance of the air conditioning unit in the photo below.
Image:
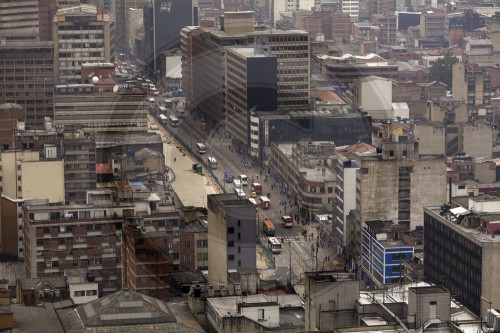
494	319
211	292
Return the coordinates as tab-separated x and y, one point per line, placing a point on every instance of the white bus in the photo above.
200	148
163	119
174	121
212	163
274	245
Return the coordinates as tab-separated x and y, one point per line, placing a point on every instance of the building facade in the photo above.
231	236
81	34
27	75
471	83
461	252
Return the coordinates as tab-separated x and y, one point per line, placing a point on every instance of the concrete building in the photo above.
152	250
330	300
195	256
471	83
231	236
347	68
251	85
417	95
432	24
387	23
11	215
431	138
81	285
28	78
383	254
28	174
135	31
305	172
487	171
345	193
461	251
254	313
393	186
374	95
205	59
12	115
18	16
85	106
72	47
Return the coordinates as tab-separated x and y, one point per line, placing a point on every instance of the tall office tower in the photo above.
18	17
123	20
81	34
462	248
27	78
46	11
163	21
205	60
251	85
231	236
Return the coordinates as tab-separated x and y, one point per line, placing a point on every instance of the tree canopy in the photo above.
441	69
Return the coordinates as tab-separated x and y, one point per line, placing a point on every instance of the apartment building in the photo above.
251	85
472	83
84	105
305	172
232	231
151	251
81	34
10	116
461	250
194	241
388	26
432	25
27	78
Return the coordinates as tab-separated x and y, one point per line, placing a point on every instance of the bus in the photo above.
174	121
180	108
268	227
163	119
264	202
200	148
287	221
212	163
274	245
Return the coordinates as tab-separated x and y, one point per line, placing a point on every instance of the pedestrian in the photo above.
261	172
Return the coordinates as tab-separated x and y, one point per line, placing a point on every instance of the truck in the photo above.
257	188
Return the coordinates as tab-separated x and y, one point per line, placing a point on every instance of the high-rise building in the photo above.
46	11
206	61
251	85
394	186
18	16
163	21
388	27
232	231
81	34
461	251
27	78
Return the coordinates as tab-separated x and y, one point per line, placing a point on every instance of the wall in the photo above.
478	140
485	173
9	228
419	304
90	289
376	98
431	138
40	176
10	172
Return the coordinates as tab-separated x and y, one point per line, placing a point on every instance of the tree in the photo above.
441	69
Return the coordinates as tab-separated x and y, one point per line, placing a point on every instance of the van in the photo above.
212	163
237	183
244	180
253	201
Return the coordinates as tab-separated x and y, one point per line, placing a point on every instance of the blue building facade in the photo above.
383	257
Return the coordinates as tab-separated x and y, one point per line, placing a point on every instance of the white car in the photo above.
241	194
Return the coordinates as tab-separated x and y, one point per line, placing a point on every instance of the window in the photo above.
202	243
230	257
187	244
364	171
91	292
261	314
230	244
230	230
79	293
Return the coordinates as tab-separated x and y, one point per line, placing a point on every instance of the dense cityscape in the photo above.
257	166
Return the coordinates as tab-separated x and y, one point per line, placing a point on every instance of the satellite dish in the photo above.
115	88
95	80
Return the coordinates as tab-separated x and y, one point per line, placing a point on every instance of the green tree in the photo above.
441	69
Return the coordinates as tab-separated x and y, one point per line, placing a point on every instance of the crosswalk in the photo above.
285	238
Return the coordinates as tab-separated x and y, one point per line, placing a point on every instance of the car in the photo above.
155	92
241	194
